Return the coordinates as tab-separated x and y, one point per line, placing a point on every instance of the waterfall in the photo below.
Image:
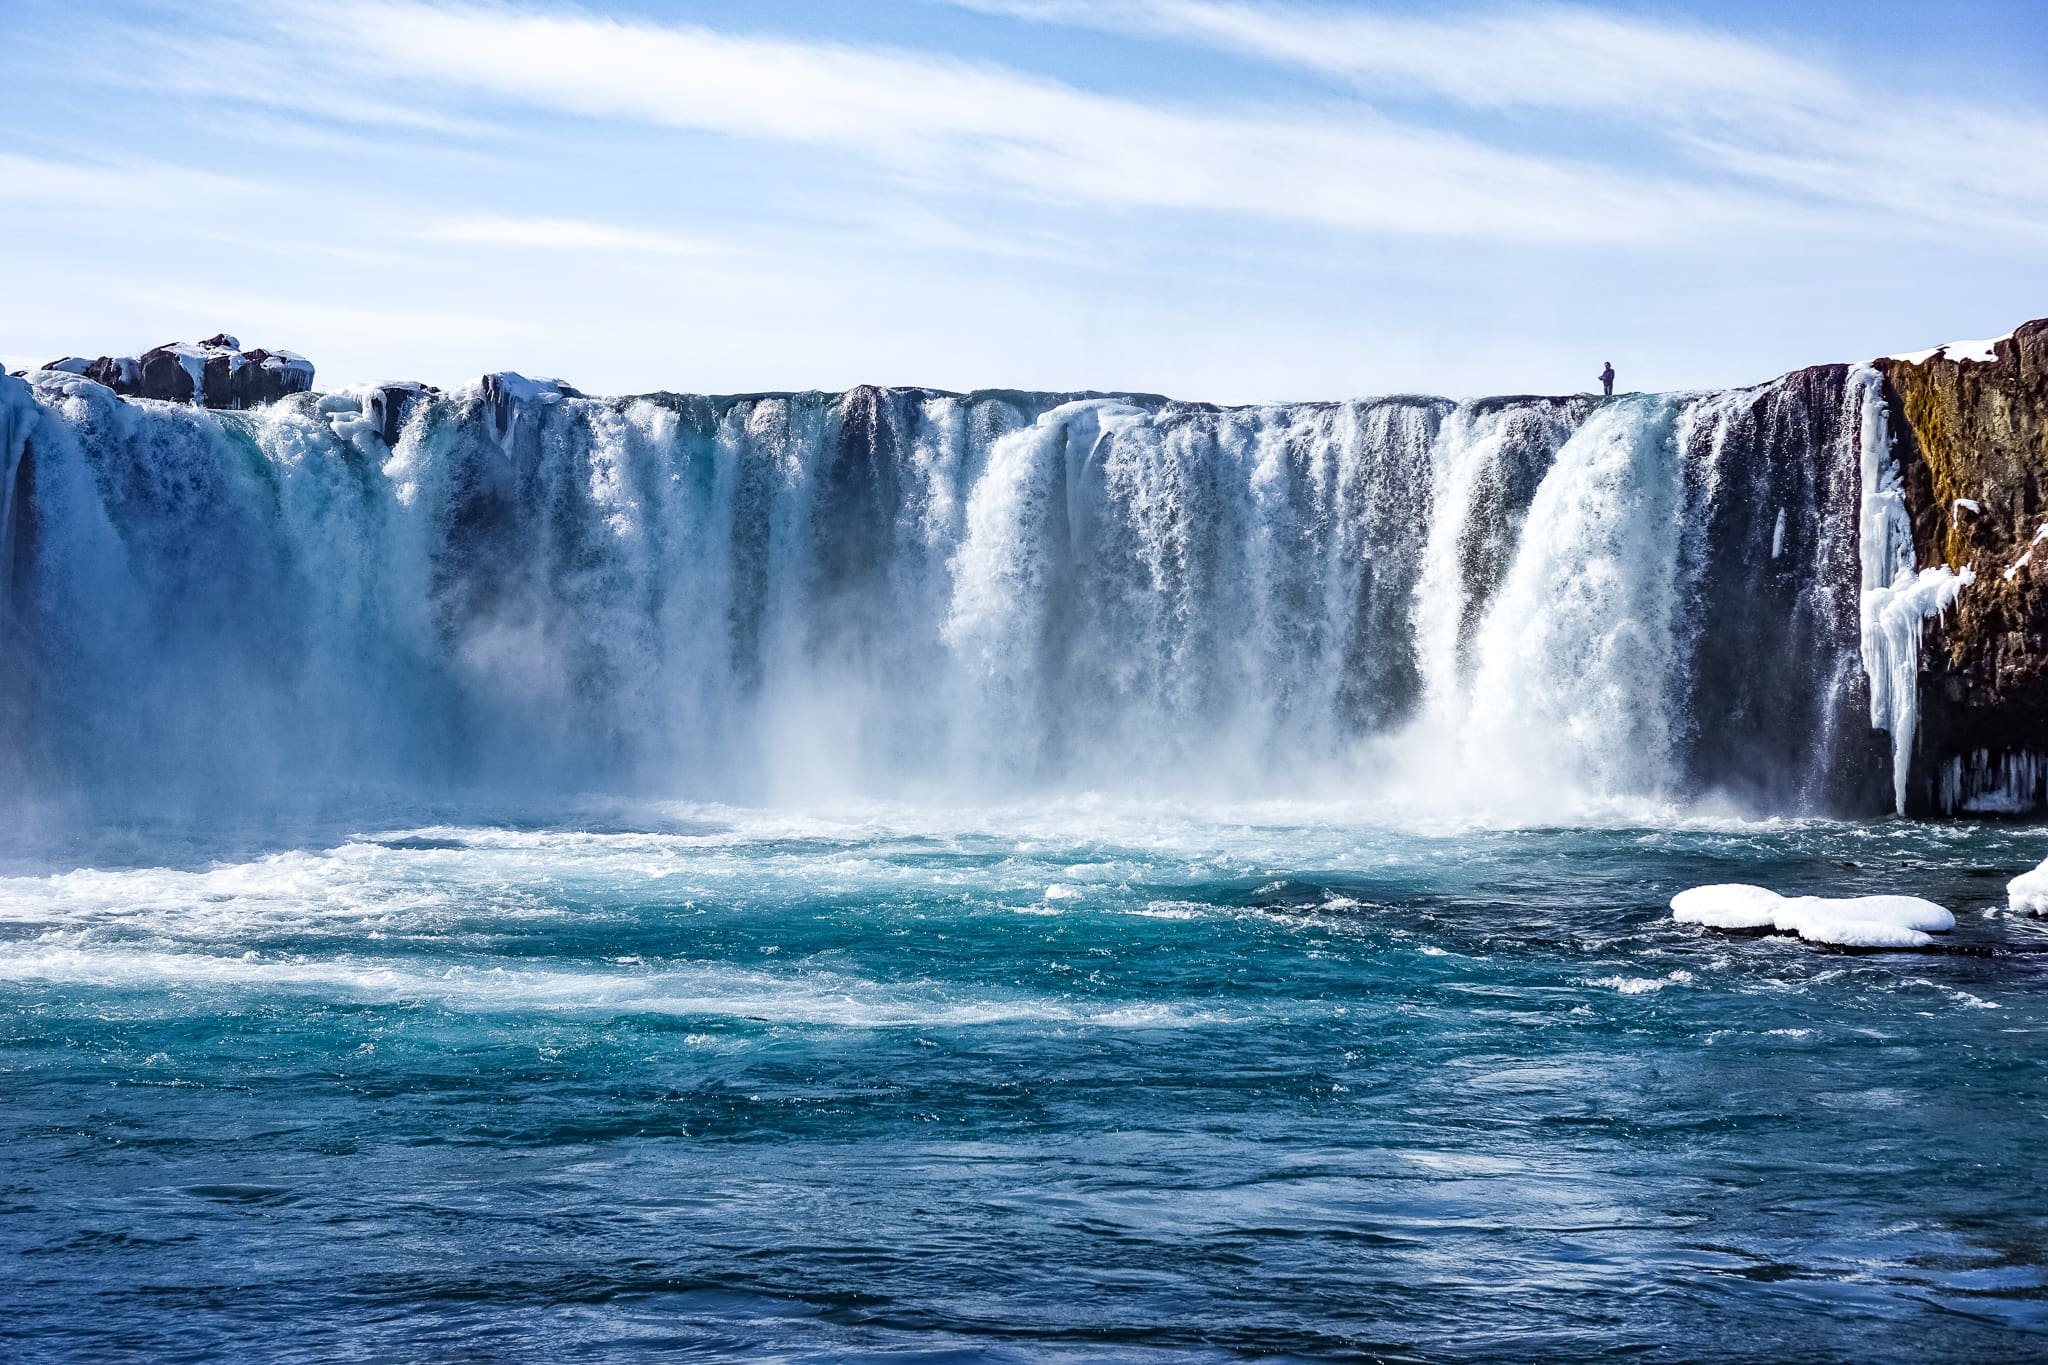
1532	603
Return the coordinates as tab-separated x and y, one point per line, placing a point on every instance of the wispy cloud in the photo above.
568	234
275	313
947	122
125	184
1552	56
1732	105
1229	198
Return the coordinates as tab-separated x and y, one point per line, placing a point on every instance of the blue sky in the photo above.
1209	198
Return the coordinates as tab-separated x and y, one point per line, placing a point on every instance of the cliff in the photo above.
1971	440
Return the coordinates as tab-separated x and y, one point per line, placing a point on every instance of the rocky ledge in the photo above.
1971	438
214	373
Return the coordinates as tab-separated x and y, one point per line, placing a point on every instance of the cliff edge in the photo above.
1970	424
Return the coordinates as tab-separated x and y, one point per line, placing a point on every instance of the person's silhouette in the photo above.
1607	377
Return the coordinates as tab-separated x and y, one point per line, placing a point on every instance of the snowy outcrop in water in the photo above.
1842	921
2027	894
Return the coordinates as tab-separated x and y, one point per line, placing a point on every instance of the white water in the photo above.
1523	607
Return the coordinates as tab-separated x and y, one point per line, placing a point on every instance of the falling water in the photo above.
1515	603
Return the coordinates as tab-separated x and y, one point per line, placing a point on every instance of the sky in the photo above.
1212	199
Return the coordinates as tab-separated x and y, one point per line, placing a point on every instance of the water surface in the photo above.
1091	1081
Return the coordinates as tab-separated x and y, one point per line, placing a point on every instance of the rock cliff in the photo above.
1971	439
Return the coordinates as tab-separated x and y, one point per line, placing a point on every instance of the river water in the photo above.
1082	1080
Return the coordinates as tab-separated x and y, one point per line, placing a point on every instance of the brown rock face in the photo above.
1969	432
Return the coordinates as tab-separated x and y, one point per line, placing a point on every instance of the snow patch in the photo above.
193	358
60	384
520	389
1976	352
2026	556
290	361
1844	921
1970	503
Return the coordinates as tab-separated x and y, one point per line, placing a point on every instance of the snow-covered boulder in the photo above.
507	395
214	373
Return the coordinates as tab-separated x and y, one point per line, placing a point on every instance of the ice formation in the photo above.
1897	600
1844	921
1981	782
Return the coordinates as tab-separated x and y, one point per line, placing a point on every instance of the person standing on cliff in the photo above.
1607	377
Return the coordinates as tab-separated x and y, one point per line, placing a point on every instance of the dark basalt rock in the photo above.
1779	528
391	404
214	373
1977	431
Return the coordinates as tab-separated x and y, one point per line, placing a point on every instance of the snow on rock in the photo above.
2027	894
1844	921
1976	352
1970	505
515	387
510	395
376	412
214	373
2026	556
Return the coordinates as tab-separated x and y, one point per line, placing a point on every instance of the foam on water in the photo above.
711	992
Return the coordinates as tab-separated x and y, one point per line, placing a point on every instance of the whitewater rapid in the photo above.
1526	605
